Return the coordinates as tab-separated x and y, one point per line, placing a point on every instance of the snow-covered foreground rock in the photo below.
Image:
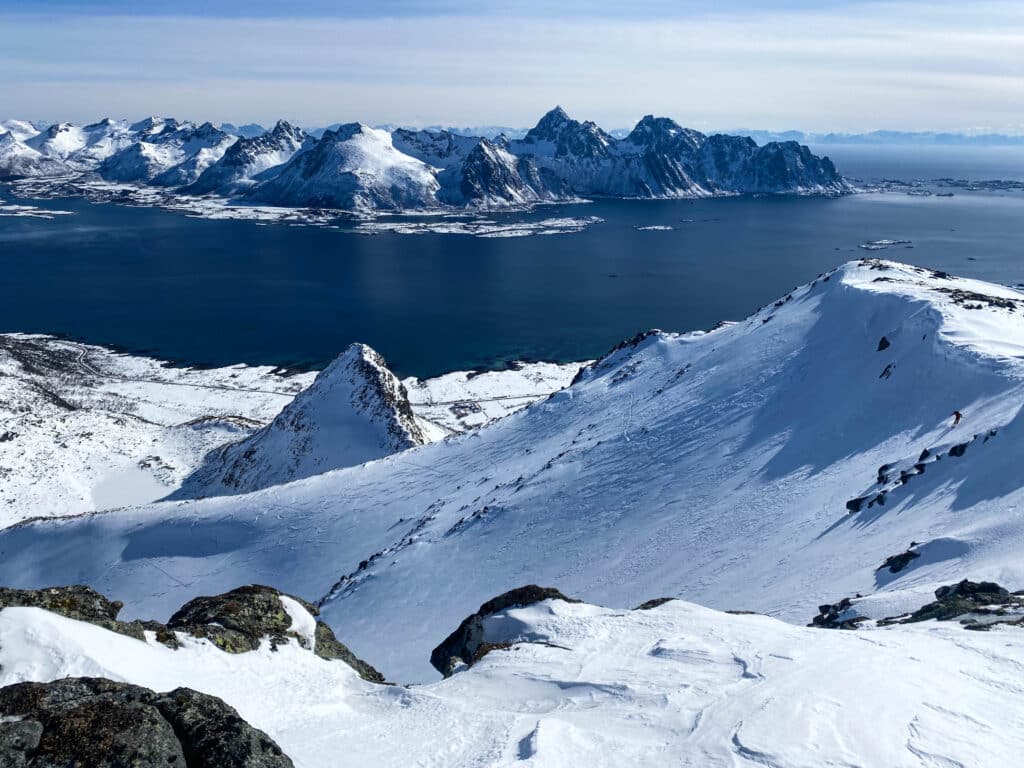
772	465
571	684
83	428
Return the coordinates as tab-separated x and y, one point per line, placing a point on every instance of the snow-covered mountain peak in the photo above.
355	411
19	129
662	134
283	128
558	134
354	167
154	124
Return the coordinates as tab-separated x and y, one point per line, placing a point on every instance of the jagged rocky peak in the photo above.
569	137
284	128
356	410
153	124
490	174
664	134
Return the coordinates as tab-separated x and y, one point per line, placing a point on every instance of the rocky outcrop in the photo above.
464	645
658	601
896	563
837	616
103	724
76	602
976	605
239	620
235	622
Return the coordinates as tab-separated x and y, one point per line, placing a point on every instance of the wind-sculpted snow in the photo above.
570	684
712	466
357	168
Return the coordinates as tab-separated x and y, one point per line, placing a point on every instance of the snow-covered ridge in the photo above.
716	467
357	168
572	684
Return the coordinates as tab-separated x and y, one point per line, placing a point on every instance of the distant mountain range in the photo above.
356	167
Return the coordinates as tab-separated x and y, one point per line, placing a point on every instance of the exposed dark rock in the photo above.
237	621
965	601
76	602
896	563
79	722
462	645
653	603
854	505
329	647
958	450
883	344
830	616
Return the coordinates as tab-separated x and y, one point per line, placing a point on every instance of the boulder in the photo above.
653	603
463	646
237	621
896	563
76	602
968	601
103	724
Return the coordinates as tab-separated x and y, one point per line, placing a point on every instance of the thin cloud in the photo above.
843	66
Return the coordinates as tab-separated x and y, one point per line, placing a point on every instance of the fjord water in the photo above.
223	292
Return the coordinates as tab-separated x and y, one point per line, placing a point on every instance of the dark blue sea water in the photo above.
220	292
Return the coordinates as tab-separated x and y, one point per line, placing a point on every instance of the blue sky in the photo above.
827	65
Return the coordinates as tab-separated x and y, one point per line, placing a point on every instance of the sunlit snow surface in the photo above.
588	686
715	467
84	428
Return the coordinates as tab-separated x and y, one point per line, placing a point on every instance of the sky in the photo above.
828	65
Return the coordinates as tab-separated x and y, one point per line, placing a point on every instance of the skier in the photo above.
956	417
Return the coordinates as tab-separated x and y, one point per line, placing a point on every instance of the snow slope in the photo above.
714	467
83	428
589	686
18	159
19	129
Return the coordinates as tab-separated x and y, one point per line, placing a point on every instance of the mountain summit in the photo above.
355	411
